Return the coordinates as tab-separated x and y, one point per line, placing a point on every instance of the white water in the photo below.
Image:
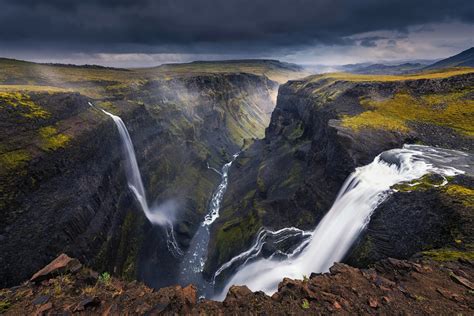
135	183
364	189
263	237
219	194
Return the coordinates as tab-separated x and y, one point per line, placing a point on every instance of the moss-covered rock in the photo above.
431	217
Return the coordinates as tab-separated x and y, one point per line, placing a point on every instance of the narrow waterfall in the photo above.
193	261
135	183
361	193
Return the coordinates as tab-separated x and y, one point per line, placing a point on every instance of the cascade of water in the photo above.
135	183
361	193
264	237
219	194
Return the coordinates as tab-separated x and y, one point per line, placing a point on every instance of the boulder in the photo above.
60	265
237	292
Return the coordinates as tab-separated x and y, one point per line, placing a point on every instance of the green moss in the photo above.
130	243
296	132
4	306
364	252
236	235
373	119
23	104
119	253
51	139
260	181
108	106
445	254
426	182
14	159
462	194
454	110
293	176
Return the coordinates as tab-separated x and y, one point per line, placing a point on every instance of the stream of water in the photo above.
192	264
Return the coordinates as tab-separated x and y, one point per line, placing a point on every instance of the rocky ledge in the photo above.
65	287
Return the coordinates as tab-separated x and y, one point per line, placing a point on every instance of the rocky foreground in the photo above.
391	286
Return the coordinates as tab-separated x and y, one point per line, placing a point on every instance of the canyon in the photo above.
234	164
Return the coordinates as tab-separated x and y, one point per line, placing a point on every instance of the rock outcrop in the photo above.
407	287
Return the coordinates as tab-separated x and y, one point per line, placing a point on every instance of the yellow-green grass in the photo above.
436	74
32	88
463	194
51	139
14	159
454	110
446	254
70	76
22	102
426	182
252	67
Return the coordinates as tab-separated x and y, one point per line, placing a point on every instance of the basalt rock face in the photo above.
437	221
315	140
72	196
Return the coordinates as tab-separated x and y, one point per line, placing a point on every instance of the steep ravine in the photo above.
74	193
322	128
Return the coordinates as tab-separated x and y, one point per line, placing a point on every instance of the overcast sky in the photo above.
144	32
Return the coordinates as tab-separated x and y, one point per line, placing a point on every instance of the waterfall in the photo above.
135	183
361	193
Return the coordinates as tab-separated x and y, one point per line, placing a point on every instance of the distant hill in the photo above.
373	69
23	72
378	69
463	59
270	63
273	69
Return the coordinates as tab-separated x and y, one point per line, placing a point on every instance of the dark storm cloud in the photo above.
370	41
210	25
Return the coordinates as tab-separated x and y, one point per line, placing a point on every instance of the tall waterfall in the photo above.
135	183
361	193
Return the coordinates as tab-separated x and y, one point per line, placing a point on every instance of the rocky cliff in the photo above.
322	129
